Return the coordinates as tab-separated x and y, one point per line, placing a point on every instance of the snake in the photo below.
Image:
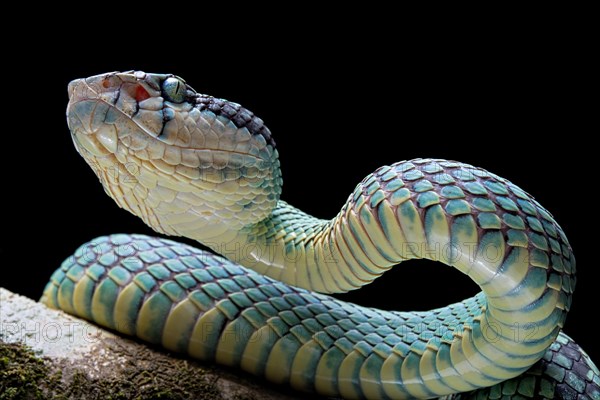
260	299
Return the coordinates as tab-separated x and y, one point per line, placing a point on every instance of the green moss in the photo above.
23	375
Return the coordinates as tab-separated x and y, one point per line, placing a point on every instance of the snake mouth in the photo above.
138	111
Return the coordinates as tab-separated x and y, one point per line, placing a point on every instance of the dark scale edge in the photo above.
565	372
500	211
240	116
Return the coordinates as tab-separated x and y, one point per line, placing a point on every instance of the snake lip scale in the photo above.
208	169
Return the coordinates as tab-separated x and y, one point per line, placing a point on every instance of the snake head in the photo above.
106	109
180	160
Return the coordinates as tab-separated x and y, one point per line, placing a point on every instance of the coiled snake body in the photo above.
196	166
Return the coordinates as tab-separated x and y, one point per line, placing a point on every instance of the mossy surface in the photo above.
91	363
24	375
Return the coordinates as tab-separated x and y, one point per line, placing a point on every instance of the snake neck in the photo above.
283	247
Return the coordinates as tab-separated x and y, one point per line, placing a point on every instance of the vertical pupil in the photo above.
174	90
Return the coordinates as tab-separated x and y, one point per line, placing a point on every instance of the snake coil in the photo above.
192	165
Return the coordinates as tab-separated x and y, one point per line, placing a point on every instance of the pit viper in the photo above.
204	168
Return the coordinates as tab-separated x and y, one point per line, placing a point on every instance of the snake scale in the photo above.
196	166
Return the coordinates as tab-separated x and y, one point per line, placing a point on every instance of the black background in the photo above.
338	109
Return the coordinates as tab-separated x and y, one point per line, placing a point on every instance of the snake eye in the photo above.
174	90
